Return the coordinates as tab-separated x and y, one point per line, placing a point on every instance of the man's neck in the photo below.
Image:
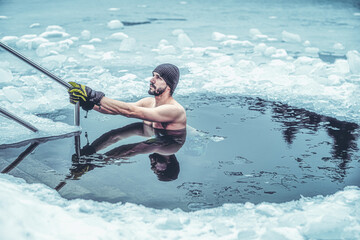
162	99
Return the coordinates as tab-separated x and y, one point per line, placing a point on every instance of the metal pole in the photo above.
18	120
47	73
57	79
35	65
21	157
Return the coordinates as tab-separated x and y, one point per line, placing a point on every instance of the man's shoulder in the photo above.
146	102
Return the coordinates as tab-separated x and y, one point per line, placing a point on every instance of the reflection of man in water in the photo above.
161	112
162	148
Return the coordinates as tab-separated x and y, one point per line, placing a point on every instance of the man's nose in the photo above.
152	80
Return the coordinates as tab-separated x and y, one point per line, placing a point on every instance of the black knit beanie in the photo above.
170	73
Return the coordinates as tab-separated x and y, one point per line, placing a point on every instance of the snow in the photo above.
38	212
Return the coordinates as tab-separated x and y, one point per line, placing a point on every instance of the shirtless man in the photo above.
161	111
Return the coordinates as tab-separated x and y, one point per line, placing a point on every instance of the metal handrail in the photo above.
18	120
47	73
57	79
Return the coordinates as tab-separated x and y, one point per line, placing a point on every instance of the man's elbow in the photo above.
131	114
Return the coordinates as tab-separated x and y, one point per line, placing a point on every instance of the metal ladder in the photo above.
55	78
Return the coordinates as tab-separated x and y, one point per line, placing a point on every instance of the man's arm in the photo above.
163	113
115	135
144	102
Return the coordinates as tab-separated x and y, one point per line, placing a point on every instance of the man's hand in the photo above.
87	150
85	95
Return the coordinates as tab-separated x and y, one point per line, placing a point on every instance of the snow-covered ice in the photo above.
34	211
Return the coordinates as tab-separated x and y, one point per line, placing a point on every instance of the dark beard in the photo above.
156	92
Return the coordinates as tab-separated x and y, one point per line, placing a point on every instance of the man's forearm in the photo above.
111	106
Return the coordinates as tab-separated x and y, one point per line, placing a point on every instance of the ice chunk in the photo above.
164	50
176	32
254	32
74	39
127	45
54	34
341	66
113	9
334	80
95	40
85	35
170	222
231	36
312	50
246	65
108	56
25	41
338	46
54	28
184	41
12	94
3	17
10	40
261	36
269	51
86	49
53	62
261	47
216	36
30	80
280	53
5	75
34	25
51	48
304	61
223	61
282	233
290	37
31	43
236	43
163	42
115	24
354	61
307	43
118	36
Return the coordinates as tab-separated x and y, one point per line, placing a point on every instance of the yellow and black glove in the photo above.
87	97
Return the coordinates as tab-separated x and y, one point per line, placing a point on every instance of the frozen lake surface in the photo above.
271	90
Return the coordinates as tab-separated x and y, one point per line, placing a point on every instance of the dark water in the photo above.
237	149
